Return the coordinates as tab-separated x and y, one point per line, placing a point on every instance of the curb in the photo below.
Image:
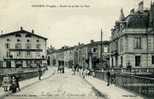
98	93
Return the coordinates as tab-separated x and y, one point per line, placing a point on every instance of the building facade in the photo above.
94	54
22	49
83	55
132	40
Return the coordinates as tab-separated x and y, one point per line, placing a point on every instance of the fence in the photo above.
22	73
138	84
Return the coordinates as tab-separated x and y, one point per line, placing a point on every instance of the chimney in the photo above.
132	11
122	16
79	43
1	31
140	6
91	41
21	28
32	31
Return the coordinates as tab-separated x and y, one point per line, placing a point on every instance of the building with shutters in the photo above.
22	49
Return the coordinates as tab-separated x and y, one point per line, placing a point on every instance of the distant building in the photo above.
132	40
83	55
62	57
89	55
22	49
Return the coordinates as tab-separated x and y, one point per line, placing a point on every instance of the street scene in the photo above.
58	86
77	50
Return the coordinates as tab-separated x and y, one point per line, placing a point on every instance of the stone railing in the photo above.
143	85
4	71
140	70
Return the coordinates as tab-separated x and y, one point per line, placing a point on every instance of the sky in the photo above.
64	25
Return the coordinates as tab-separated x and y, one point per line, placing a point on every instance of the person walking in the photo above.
108	77
13	87
6	83
39	72
17	83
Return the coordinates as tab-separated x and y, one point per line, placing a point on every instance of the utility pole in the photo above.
101	43
101	56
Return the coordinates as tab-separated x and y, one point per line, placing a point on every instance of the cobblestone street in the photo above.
58	86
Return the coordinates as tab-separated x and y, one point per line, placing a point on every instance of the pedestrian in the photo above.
39	72
17	83
108	77
129	67
113	78
6	83
13	87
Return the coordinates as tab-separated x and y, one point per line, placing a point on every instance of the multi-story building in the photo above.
93	53
84	55
63	56
22	49
132	40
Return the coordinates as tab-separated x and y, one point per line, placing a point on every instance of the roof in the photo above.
97	43
137	20
22	31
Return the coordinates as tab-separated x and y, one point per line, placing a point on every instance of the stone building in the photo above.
22	49
83	55
132	40
63	56
90	55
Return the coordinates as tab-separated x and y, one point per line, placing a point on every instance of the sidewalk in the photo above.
111	92
29	82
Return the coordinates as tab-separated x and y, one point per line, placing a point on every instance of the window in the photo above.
7	45
18	46
18	35
28	53
18	40
38	46
8	64
28	40
121	44
19	53
29	63
137	60
28	35
8	40
28	46
152	59
94	49
38	54
137	42
121	61
105	49
18	63
7	54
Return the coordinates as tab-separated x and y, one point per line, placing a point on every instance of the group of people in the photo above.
11	83
83	71
60	69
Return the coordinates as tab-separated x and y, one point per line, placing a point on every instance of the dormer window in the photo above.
28	35
18	35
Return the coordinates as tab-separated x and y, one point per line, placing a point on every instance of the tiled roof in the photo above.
22	31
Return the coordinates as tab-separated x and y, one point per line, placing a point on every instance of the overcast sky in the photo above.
64	26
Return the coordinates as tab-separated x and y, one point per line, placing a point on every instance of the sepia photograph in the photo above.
76	49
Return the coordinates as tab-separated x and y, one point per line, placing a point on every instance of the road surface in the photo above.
58	86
